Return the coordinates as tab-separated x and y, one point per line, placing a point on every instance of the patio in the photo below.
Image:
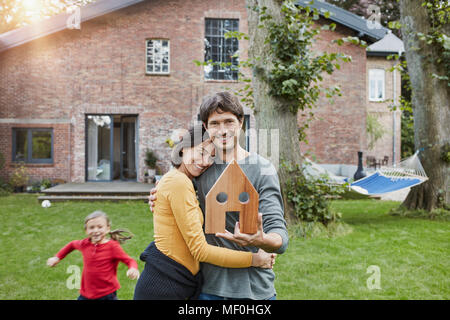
116	190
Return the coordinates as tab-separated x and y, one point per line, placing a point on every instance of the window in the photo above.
157	55
220	50
33	145
376	85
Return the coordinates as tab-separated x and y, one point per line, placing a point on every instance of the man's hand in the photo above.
244	239
269	242
152	197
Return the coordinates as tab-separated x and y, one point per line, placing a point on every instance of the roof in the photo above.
59	22
364	27
390	44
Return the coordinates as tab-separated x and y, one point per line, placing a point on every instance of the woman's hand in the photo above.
133	273
263	259
152	197
53	261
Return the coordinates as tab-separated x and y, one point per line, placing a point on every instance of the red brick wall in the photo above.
101	69
339	130
383	111
61	152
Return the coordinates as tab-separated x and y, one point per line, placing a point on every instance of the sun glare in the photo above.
32	7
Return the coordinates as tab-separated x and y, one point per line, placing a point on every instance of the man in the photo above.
222	115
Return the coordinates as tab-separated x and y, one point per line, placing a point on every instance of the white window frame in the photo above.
156	61
377	75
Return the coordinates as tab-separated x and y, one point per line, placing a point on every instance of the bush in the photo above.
5	188
311	196
36	186
150	159
45	184
19	178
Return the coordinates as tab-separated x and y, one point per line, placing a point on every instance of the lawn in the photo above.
412	254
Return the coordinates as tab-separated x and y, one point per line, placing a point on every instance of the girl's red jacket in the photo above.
99	277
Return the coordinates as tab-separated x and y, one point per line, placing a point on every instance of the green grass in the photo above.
412	253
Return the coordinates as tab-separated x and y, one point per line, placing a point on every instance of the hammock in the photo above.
405	174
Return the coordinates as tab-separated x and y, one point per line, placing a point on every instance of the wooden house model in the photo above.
232	192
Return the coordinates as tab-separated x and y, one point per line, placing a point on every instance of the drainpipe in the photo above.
394	117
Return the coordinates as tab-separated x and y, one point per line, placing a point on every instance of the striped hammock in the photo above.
406	174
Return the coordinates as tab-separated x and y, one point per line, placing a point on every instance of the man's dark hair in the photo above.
221	102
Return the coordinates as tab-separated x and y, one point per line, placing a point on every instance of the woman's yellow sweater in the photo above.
178	221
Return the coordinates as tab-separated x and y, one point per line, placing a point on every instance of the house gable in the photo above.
59	22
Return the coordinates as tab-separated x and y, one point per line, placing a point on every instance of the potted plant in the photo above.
45	184
19	178
150	161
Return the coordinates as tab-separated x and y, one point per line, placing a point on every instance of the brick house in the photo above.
85	104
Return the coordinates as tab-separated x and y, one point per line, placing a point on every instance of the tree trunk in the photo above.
430	100
272	113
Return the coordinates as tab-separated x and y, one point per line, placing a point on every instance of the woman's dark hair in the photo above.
221	102
193	137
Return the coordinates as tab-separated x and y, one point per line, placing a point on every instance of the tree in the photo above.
425	26
285	75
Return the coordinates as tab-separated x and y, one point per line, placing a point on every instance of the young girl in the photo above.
100	258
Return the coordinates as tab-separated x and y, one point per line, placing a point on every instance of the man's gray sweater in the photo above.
245	283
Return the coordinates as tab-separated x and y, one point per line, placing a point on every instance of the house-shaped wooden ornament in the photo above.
232	192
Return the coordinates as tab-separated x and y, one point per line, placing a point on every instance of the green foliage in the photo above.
439	18
445	153
311	195
19	177
150	159
5	188
35	186
2	161
295	69
407	133
46	183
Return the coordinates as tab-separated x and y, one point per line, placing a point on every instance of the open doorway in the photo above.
111	147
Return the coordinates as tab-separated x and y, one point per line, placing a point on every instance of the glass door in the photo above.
99	147
128	148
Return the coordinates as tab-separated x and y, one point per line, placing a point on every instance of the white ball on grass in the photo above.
46	204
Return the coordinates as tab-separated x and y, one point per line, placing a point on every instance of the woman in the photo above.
172	269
